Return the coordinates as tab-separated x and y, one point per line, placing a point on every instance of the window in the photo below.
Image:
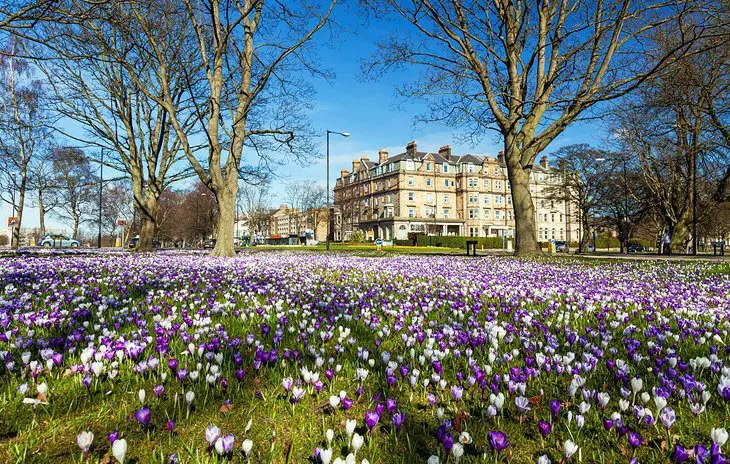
446	213
509	199
509	215
561	234
473	213
473	182
473	198
446	182
552	217
496	171
486	199
410	196
429	211
446	198
473	231
428	166
497	214
486	183
429	198
410	180
498	185
428	182
445	167
486	213
499	199
470	167
411	212
409	165
390	199
542	203
553	234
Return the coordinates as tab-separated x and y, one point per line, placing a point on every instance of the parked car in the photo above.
133	242
58	240
207	244
636	249
561	247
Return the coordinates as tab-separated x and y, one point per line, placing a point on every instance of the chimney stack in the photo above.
355	165
344	173
411	148
445	151
500	157
544	162
365	160
382	156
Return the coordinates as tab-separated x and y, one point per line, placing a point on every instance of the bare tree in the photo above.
585	183
88	63
24	128
526	70
43	182
75	187
254	204
23	14
314	205
673	127
253	54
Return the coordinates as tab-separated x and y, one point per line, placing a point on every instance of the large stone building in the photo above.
443	194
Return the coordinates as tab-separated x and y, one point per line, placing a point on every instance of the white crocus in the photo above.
119	449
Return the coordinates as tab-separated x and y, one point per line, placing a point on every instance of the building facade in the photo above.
286	221
443	194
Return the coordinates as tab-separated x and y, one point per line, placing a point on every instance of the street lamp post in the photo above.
101	189
344	134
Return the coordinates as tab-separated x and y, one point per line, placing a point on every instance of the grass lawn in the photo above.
431	355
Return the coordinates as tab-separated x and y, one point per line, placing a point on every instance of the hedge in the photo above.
459	242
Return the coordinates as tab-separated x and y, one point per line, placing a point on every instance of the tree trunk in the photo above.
525	231
585	237
148	223
76	229
41	213
226	222
15	242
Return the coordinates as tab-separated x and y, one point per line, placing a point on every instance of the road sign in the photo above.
379	241
12	220
122	222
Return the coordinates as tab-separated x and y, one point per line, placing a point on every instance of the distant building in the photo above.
443	194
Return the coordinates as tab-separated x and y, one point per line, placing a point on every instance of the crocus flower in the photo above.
143	415
569	449
544	428
212	433
113	436
635	439
371	419
719	436
667	416
680	454
119	450
247	446
399	419
497	440
224	444
554	407
84	440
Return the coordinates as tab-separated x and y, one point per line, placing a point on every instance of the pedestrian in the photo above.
667	243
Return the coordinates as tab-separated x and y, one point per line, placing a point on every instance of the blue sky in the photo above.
370	111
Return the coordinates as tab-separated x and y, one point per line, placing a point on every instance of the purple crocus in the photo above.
143	415
371	419
113	436
346	403
158	390
457	392
554	408
497	440
399	419
635	439
544	428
